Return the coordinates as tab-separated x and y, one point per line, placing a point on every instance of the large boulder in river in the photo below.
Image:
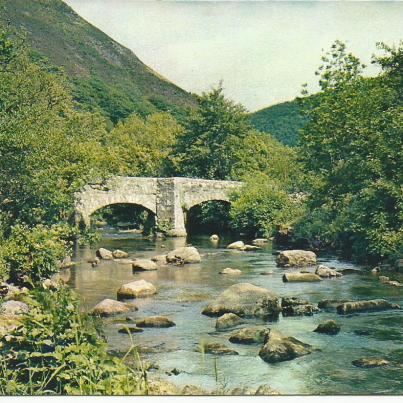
109	307
185	254
239	245
292	306
365	306
230	271
279	348
160	259
155	321
328	327
105	254
228	320
326	272
120	254
298	258
144	265
250	335
370	362
217	349
300	277
244	299
136	289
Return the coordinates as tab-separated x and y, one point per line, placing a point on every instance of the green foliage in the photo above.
105	76
283	121
263	208
57	350
31	255
48	150
143	147
213	134
352	146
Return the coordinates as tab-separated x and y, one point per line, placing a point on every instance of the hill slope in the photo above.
106	76
282	121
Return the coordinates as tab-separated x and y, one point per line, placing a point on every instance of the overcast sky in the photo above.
264	51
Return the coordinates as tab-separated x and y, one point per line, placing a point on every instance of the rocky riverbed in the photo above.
283	349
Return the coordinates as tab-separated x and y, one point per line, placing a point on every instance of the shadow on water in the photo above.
184	291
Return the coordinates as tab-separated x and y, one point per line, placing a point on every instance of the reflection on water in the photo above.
184	291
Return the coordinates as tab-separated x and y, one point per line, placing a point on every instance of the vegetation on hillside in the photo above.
105	76
283	121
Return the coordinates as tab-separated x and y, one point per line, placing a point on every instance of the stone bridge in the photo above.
168	198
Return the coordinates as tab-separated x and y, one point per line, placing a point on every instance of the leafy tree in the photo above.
263	208
48	149
213	134
352	145
143	147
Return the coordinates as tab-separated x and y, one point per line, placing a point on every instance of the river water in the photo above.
184	291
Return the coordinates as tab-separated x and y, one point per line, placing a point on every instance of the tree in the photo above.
143	147
48	149
352	146
213	135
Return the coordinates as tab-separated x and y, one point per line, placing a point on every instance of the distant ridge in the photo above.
105	75
283	121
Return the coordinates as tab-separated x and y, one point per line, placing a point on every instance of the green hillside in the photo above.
282	121
105	75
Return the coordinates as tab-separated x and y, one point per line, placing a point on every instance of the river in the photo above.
184	291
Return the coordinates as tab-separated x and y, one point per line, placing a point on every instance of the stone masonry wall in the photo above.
167	198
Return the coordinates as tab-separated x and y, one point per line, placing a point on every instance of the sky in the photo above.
263	51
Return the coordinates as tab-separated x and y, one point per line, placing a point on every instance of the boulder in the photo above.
298	277
249	248
160	259
130	329
109	307
331	304
144	265
260	241
394	283
214	238
119	254
136	289
250	335
155	321
239	245
105	254
279	348
125	261
289	258
228	320
326	272
370	362
383	279
185	254
13	308
292	306
94	261
365	306
217	349
244	299
228	270
328	327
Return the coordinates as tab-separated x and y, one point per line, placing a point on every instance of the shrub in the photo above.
262	207
57	350
30	255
